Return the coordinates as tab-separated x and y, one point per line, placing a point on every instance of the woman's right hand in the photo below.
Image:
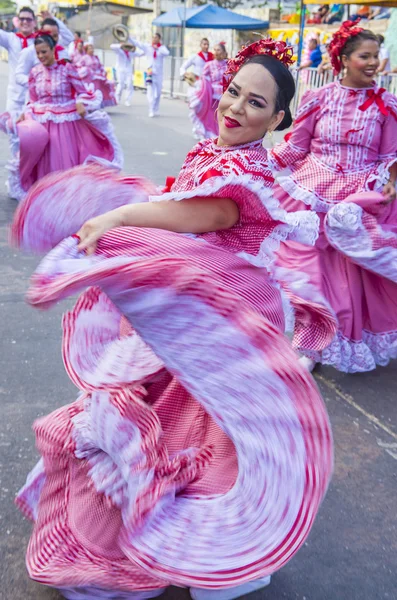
95	228
81	111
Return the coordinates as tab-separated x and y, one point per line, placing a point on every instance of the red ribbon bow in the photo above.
25	39
376	97
169	182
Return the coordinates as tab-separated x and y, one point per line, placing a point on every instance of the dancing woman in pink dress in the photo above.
344	142
60	127
199	450
77	54
92	72
204	97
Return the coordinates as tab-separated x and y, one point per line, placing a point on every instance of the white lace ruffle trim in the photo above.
99	119
346	232
299	226
351	356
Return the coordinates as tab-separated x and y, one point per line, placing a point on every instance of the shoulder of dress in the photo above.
36	70
390	99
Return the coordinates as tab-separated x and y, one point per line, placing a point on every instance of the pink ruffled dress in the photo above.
92	72
197	433
53	137
343	143
204	99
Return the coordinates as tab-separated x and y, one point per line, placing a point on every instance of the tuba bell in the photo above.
121	33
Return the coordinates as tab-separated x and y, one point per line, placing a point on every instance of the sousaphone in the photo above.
122	35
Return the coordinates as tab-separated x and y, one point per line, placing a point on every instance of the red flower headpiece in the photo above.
41	32
278	50
347	30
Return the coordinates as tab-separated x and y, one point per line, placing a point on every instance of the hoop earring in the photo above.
268	141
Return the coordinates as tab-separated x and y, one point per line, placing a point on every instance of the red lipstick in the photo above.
231	123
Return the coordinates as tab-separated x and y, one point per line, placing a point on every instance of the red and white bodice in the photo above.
54	91
240	173
208	160
214	72
343	141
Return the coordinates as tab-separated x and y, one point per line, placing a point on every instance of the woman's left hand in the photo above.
81	111
389	192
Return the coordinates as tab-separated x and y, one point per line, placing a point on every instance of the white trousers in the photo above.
154	94
124	80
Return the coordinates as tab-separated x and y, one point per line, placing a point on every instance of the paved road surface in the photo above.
351	552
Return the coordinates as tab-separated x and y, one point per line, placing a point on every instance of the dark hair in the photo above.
355	41
381	39
223	47
158	34
78	34
313	40
45	38
50	21
27	9
285	85
204	40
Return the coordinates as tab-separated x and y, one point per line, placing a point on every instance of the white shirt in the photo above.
156	64
196	62
384	53
124	58
13	44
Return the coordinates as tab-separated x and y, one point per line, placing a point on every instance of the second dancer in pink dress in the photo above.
341	156
92	71
61	126
204	99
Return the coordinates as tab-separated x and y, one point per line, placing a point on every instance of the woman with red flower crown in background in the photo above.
199	449
204	98
342	156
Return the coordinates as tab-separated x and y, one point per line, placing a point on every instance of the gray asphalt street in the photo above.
351	553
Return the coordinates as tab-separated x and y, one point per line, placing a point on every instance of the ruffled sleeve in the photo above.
388	143
91	100
297	144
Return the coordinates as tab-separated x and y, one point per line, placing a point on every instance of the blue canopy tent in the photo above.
208	17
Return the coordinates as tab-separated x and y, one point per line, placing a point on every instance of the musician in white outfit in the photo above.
61	35
14	43
197	62
156	53
126	53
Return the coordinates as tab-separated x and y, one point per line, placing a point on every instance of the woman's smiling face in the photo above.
247	108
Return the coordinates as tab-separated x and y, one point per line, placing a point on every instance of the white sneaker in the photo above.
128	103
308	363
230	593
151	115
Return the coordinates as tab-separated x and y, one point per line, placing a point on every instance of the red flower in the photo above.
278	50
347	30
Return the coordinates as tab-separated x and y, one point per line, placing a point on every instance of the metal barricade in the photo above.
311	79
